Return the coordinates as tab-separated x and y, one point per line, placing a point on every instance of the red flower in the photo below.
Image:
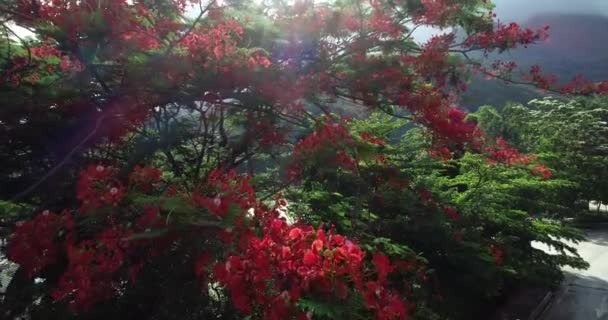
150	219
498	254
298	259
504	37
508	155
36	244
330	141
295	234
311	258
98	187
201	265
145	178
317	246
383	266
229	190
92	273
451	213
426	196
543	171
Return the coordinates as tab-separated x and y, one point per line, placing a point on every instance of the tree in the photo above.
240	87
568	134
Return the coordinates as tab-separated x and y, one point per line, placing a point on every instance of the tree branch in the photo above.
192	26
61	163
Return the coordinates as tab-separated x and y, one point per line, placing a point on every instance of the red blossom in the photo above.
330	141
216	42
433	60
602	87
346	161
442	153
98	186
172	191
268	134
504	37
149	219
508	155
36	244
201	264
386	304
383	24
451	213
258	61
383	266
300	261
426	196
225	191
543	171
373	140
436	12
91	275
497	253
145	178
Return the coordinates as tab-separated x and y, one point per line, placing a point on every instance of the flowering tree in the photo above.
204	90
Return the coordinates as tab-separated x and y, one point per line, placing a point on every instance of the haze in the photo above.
522	10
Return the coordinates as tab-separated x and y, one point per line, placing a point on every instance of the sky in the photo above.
522	10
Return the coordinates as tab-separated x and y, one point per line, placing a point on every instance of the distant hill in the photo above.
577	44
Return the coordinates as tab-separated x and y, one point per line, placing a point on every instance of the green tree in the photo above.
568	135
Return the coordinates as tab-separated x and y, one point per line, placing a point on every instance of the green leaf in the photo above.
147	235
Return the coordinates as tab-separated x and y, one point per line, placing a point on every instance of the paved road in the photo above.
584	294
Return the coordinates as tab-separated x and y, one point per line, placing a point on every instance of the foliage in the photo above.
565	134
466	220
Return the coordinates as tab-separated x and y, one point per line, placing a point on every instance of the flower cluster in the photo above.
505	37
268	135
383	24
145	178
578	86
451	213
225	192
216	42
328	135
331	142
269	264
98	186
120	20
96	263
441	152
436	12
371	139
91	273
498	254
258	61
38	62
290	262
543	171
36	244
537	77
454	128
499	69
506	154
433	60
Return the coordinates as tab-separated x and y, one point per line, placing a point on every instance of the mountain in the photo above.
577	44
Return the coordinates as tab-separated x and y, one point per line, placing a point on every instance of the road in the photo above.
584	293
